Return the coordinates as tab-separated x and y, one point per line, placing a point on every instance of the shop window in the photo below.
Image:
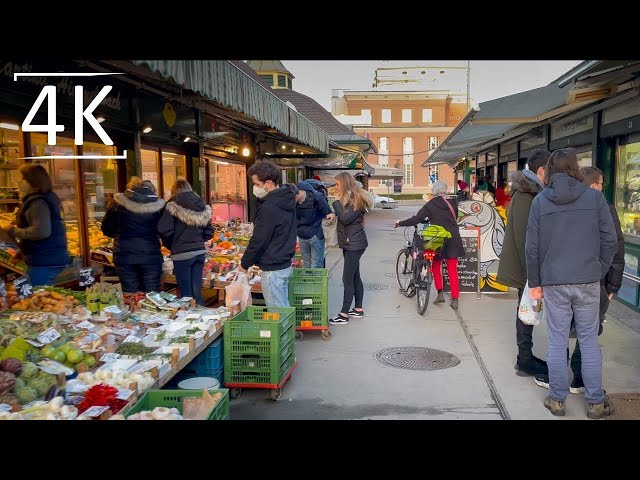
585	159
628	188
151	167
10	152
64	179
100	182
173	166
228	189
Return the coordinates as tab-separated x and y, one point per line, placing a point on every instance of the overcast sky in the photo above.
489	79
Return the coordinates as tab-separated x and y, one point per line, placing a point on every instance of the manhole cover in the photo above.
390	275
416	358
370	287
389	261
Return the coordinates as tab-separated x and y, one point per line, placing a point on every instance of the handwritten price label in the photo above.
86	325
23	287
143	367
86	277
132	339
153	331
48	336
95	411
109	357
124	394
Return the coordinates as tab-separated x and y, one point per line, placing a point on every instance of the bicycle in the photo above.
414	268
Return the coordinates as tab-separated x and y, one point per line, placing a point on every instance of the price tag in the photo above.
23	287
142	367
74	386
132	339
162	321
124	394
35	344
109	357
265	333
153	331
122	331
86	277
95	411
150	320
86	325
114	309
48	336
307	301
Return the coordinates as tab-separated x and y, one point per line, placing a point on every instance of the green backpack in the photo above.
434	237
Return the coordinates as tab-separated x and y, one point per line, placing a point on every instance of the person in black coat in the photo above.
442	212
132	219
351	205
184	227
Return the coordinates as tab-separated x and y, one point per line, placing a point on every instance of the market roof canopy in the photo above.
380	172
225	83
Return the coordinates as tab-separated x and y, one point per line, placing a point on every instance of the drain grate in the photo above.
389	261
371	287
416	358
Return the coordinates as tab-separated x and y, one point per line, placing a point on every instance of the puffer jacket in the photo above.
185	223
310	213
133	222
351	234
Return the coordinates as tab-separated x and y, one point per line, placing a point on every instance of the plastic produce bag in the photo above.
238	291
330	231
530	312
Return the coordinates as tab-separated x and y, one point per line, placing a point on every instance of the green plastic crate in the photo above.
310	273
249	324
173	399
309	281
252	361
258	376
318	314
264	346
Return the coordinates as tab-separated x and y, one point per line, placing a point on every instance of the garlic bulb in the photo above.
55	404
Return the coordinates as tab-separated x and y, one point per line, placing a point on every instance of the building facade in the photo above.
406	126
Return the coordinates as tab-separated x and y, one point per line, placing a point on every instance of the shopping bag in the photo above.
330	231
530	312
238	292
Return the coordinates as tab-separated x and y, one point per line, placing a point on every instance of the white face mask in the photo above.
259	192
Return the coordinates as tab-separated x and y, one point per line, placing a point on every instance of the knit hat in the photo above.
462	185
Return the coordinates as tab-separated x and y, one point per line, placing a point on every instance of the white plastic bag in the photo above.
238	291
530	312
330	231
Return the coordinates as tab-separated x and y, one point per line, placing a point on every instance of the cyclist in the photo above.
442	212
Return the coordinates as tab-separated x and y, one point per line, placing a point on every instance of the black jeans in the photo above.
351	279
524	336
189	277
576	358
139	278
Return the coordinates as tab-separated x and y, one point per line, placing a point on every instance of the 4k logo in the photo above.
51	128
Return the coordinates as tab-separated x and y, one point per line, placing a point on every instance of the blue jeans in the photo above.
581	302
312	251
189	277
43	275
275	287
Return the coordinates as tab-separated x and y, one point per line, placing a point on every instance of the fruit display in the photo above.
46	301
104	295
117	379
97	239
73	239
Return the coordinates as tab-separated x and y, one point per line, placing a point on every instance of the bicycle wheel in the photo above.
404	272
424	278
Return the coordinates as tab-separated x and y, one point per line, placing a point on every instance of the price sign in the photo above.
143	367
109	357
153	331
23	287
48	336
132	339
86	325
86	277
124	394
114	309
95	411
121	331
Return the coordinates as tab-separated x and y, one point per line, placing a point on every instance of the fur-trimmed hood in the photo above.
189	217
525	184
133	202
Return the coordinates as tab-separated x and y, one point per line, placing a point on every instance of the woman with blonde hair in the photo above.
185	226
352	203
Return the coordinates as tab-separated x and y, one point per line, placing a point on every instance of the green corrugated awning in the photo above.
224	83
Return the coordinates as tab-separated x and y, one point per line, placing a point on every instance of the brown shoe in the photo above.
439	299
556	408
600	410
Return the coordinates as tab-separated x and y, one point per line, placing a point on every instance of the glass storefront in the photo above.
585	156
10	152
227	190
627	194
173	166
150	160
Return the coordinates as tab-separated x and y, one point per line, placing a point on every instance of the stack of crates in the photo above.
208	363
259	346
309	295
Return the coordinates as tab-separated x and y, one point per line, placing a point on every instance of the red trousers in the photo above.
452	269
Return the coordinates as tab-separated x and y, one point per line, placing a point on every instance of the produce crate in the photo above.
250	325
260	376
211	359
318	315
309	281
263	346
239	361
173	398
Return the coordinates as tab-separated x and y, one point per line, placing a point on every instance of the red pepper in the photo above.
99	395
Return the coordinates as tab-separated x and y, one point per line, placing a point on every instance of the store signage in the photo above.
578	125
86	277
23	287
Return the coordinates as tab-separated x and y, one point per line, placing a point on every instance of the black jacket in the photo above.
462	196
273	243
351	234
613	280
185	223
133	222
571	238
436	212
310	213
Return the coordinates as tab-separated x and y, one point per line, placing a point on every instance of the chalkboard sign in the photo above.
86	277
23	287
469	266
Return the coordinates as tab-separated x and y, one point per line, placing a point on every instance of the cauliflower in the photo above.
26	394
29	371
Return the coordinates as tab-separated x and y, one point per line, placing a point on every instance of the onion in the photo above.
160	413
55	405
